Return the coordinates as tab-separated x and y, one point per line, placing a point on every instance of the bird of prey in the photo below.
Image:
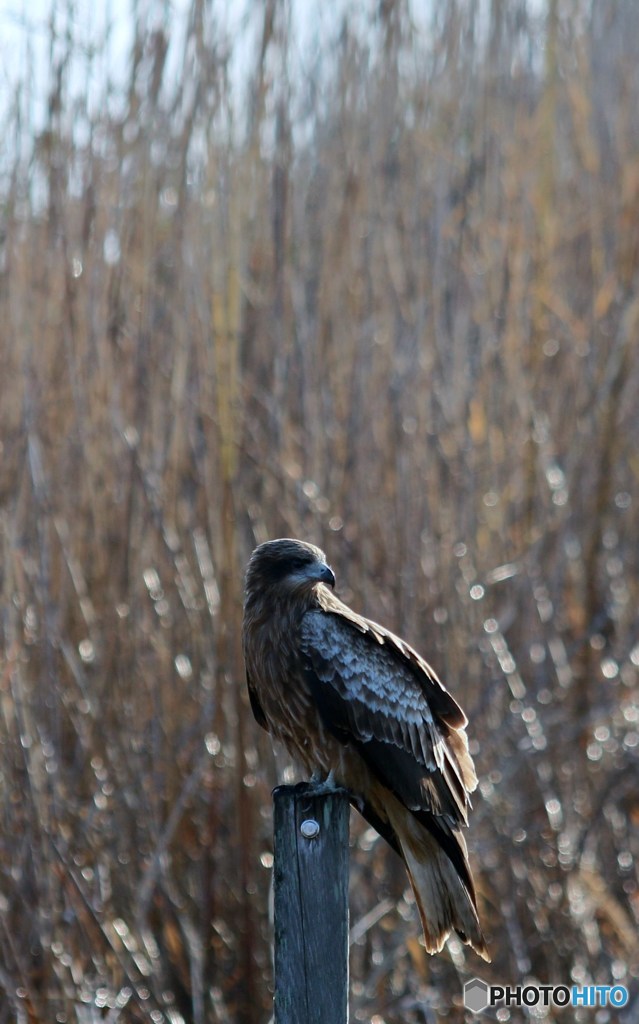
353	702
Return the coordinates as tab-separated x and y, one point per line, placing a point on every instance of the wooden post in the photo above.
311	905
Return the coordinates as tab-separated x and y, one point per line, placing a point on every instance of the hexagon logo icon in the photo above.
476	995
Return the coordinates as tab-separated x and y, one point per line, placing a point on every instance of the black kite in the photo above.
351	701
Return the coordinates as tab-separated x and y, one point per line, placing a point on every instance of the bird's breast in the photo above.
277	674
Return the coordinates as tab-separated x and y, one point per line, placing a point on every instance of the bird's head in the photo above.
287	566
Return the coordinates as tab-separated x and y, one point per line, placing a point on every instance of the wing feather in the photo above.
256	707
374	691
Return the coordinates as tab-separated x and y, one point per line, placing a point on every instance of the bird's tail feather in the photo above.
443	900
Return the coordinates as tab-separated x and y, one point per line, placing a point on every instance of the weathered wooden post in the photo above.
311	905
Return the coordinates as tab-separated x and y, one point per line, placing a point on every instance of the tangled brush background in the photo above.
366	278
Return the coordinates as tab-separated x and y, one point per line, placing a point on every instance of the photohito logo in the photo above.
478	995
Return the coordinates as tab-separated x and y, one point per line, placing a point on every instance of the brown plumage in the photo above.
351	700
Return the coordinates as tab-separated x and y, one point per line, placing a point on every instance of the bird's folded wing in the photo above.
443	704
374	695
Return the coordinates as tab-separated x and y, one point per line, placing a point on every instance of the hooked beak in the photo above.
326	575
